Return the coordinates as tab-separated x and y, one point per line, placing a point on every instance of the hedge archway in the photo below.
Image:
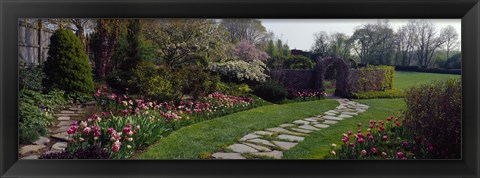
341	68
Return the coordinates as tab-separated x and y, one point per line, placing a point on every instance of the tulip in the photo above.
349	133
352	144
373	150
110	131
430	148
115	148
334	145
371	137
87	130
333	153
359	124
364	152
384	154
400	154
384	138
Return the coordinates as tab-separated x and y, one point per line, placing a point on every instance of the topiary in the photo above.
298	62
67	65
271	91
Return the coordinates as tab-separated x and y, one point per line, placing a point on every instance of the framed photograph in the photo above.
239	88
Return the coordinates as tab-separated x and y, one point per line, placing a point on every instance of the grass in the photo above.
403	79
208	137
318	144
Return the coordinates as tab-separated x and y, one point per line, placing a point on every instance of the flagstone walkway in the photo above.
272	142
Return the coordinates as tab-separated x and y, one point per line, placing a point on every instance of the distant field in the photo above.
405	79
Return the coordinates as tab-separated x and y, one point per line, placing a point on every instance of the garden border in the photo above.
468	10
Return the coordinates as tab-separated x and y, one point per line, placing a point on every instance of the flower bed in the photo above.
131	124
381	140
306	95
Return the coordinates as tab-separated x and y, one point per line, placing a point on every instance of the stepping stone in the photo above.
59	146
75	109
302	130
363	106
323	126
42	141
30	148
52	151
63	118
67	112
301	122
257	147
308	127
228	156
290	138
311	119
61	129
65	123
285	145
66	115
349	113
264	133
282	130
330	122
312	123
31	157
240	148
332	118
273	154
62	136
261	141
345	116
90	103
330	114
341	107
333	111
361	110
287	125
248	137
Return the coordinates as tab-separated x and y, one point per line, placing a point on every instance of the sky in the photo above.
298	33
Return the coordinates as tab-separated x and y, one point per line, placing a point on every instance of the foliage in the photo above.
271	91
90	152
434	114
35	112
454	62
371	78
240	71
248	52
30	78
234	89
393	93
184	42
382	140
298	62
67	65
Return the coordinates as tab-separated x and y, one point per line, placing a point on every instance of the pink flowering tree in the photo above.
247	51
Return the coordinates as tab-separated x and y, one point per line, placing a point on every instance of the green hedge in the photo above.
371	78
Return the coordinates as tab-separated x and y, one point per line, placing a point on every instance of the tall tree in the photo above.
451	39
250	30
321	42
339	45
374	43
106	35
428	41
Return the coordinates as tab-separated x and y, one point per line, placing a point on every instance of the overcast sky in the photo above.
299	32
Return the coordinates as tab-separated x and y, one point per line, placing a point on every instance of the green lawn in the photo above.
210	136
403	79
317	145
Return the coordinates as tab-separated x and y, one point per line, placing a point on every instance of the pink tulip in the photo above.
364	152
384	154
384	138
373	150
400	154
115	148
87	130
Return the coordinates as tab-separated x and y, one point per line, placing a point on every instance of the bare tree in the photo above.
321	42
450	36
428	41
250	30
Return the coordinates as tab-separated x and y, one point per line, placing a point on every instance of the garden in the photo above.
203	89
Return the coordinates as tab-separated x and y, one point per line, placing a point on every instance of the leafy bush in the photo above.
31	78
90	152
298	62
35	112
434	113
393	93
67	66
271	91
240	71
371	78
234	89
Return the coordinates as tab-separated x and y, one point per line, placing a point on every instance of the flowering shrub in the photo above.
306	95
380	140
241	71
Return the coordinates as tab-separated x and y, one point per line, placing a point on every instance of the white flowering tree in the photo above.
241	71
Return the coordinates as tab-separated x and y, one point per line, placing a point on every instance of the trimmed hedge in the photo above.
428	70
371	78
271	91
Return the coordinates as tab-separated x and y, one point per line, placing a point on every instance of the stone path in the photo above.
56	140
272	142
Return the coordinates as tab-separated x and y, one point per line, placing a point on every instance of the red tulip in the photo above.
400	154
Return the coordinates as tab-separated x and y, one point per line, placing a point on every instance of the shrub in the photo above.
371	78
298	62
151	81
234	89
271	91
30	78
240	71
67	66
35	112
393	93
90	152
434	114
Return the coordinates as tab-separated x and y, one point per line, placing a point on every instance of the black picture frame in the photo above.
467	10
